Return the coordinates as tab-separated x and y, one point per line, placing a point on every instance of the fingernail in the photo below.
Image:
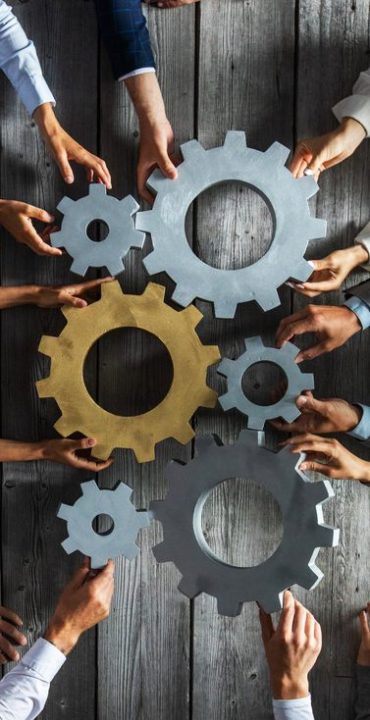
91	442
308	171
301	286
69	179
303	466
301	401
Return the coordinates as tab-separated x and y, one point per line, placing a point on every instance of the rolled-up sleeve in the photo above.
300	709
357	105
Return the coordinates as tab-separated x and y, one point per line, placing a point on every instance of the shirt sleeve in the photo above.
361	309
19	61
124	31
24	690
300	709
362	706
363	238
362	430
357	105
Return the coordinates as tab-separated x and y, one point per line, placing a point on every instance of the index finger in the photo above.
299	327
80	288
10	615
287	615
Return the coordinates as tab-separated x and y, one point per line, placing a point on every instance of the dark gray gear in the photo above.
257	352
115	503
286	197
300	501
122	235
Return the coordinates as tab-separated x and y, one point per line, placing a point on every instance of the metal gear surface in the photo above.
300	501
103	547
286	198
257	352
190	361
122	235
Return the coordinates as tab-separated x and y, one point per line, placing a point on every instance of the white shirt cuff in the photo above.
363	238
298	709
44	658
139	71
356	107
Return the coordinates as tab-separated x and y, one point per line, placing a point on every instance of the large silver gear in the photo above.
122	235
115	503
300	501
286	197
257	352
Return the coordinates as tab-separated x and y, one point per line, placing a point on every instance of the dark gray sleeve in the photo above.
362	706
361	291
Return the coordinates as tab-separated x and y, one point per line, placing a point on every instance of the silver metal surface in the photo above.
115	503
122	235
256	352
300	501
286	198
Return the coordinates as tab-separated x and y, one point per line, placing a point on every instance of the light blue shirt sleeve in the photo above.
362	430
19	61
24	690
361	309
300	709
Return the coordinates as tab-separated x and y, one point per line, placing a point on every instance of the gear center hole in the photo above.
97	230
241	523
234	225
103	524
264	383
135	371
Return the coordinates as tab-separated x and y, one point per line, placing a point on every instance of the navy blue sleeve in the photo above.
125	33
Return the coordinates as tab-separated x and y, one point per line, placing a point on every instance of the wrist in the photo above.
288	688
358	255
45	119
352	129
62	635
363	474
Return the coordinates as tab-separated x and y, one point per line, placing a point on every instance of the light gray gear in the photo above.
257	352
115	503
122	235
286	198
300	501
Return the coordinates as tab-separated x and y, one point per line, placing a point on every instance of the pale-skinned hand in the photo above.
323	152
156	146
16	217
330	272
329	457
73	453
363	657
10	635
84	602
333	326
321	416
291	649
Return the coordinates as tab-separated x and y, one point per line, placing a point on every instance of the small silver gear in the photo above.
286	197
300	501
122	235
115	503
257	352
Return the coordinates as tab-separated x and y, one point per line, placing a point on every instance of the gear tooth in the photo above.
102	450
172	470
47	345
225	367
143	519
316	228
309	577
193	151
64	512
68	545
90	489
326	536
153	264
308	186
254	343
189	587
309	381
225	308
131	551
291	413
235	141
270	300
112	292
143	221
193	314
248	438
57	239
290	350
209	399
226	401
79	266
97	190
115	267
144	455
155	291
212	354
44	388
182	296
302	271
255	423
162	553
228	608
155	506
98	561
129	205
65	204
271	603
277	153
156	180
186	433
123	491
204	443
320	491
63	427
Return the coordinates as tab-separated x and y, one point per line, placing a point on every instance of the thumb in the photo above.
64	166
267	626
310	404
166	166
319	264
82	444
316	164
364	624
81	574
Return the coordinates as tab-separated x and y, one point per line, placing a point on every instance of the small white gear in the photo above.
103	547
286	197
122	235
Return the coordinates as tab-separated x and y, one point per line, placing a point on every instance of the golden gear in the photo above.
190	360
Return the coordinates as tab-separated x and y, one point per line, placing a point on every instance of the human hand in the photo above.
321	416
73	453
64	148
333	326
84	602
156	146
328	457
16	217
292	649
323	152
10	636
56	296
363	656
330	272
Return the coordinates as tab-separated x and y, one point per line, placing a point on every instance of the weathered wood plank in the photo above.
34	565
149	632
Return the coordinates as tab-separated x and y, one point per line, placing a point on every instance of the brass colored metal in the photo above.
190	360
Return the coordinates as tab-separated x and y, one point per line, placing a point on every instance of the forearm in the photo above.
12	450
21	295
147	98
